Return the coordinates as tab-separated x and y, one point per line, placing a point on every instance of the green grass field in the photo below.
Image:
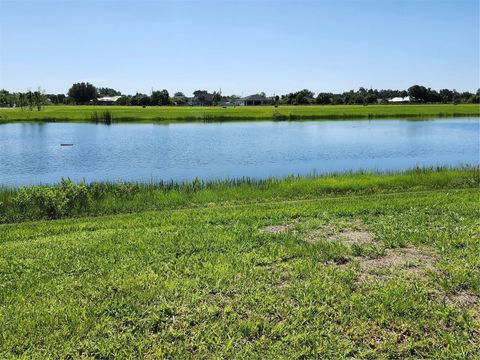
356	265
170	114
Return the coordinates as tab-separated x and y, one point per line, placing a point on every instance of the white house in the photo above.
399	99
107	100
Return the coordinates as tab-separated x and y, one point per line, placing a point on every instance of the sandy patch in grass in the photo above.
410	260
279	228
415	262
353	233
464	299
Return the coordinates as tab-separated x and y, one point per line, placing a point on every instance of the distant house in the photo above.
399	99
107	100
204	99
254	100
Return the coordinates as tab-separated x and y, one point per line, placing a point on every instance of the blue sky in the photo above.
242	47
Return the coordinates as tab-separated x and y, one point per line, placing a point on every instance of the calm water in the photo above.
31	153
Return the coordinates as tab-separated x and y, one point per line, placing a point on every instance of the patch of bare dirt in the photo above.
411	261
351	237
316	235
353	233
464	299
279	228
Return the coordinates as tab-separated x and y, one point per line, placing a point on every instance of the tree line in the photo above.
86	93
417	93
27	100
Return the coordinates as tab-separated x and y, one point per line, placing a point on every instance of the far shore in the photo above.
170	114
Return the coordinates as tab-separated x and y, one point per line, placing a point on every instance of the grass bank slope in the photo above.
206	114
384	275
379	276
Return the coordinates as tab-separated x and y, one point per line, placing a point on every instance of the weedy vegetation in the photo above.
68	199
105	117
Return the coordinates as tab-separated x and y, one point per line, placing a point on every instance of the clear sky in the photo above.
242	47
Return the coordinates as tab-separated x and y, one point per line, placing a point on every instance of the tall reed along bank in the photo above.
67	199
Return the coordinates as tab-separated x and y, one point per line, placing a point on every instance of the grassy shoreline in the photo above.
253	278
68	199
211	114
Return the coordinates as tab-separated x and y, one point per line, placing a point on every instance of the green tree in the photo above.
198	93
418	93
201	97
39	99
179	98
105	91
82	93
21	100
29	99
324	98
140	99
160	98
124	100
216	98
7	99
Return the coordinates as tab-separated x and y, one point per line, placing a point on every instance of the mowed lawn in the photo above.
365	276
185	113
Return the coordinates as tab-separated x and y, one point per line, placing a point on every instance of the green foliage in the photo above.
82	93
124	100
50	202
216	97
301	97
160	98
56	99
324	98
105	91
7	99
69	199
202	98
179	98
105	117
418	92
140	100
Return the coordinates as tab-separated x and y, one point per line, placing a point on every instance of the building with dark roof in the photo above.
204	99
255	100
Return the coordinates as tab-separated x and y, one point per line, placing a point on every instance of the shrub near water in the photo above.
56	202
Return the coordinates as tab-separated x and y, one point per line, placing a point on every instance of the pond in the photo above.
32	153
